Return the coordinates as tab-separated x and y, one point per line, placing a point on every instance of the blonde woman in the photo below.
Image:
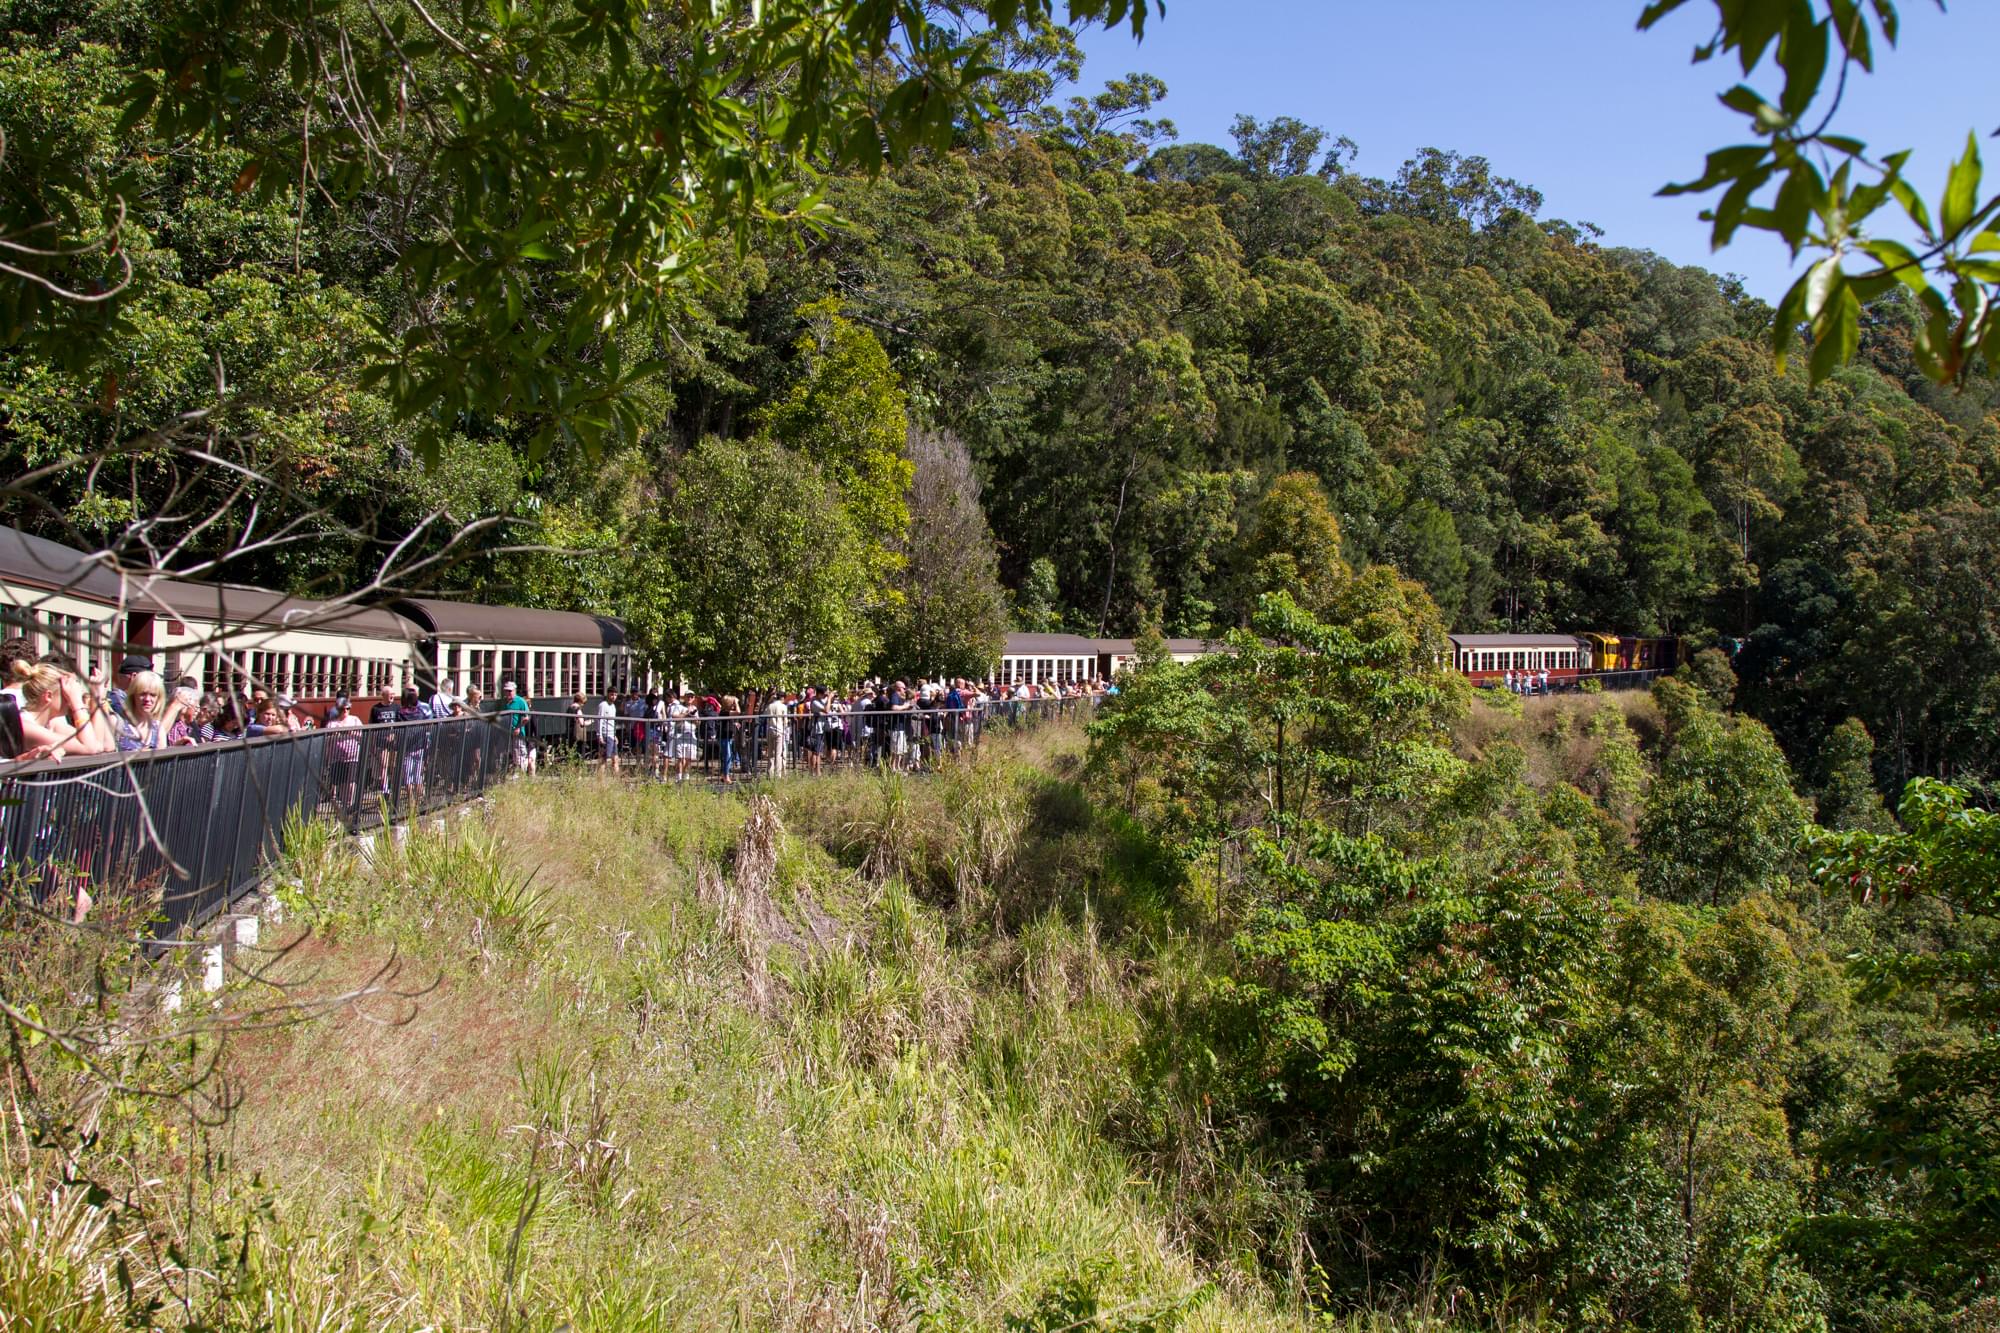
59	717
147	717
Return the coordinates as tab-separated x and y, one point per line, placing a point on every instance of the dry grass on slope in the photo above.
687	1066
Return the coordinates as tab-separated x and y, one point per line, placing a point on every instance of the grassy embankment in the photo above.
856	1055
839	1059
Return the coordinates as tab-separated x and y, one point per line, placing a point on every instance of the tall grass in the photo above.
841	1055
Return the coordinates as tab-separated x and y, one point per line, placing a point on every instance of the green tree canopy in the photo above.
757	576
1721	820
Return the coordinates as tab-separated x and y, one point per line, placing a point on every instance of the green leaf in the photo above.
1822	280
1723	164
1751	103
139	97
1785	322
1912	202
1802	54
1656	11
1961	190
1838	333
1800	198
1981	270
1885	14
1852	29
1898	261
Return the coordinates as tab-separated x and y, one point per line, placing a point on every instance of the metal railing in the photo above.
198	826
1634	679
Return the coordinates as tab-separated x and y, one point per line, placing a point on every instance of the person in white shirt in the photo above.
680	718
607	730
777	725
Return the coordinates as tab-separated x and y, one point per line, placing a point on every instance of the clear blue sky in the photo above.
1563	95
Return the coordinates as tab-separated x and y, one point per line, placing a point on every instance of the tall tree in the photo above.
951	619
1721	821
1293	547
756	576
846	412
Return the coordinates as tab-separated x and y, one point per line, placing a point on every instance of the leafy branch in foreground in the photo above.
1817	190
554	180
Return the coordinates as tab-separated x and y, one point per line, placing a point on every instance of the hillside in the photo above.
1064	373
1308	989
682	1060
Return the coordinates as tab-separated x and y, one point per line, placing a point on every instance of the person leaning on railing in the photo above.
59	716
149	717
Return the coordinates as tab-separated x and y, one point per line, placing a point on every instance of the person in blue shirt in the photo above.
516	709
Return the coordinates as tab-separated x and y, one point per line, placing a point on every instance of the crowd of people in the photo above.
49	709
896	725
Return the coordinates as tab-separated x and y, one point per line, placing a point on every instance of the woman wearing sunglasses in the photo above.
148	719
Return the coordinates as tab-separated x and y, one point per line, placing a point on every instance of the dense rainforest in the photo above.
1304	986
1132	339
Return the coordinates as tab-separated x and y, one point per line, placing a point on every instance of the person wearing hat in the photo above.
414	744
296	718
130	666
516	709
346	749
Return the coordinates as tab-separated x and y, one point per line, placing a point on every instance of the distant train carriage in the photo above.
1048	659
1487	658
1633	652
1064	659
549	655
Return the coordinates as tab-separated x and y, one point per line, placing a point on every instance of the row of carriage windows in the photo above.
299	675
538	674
1047	670
89	643
1528	659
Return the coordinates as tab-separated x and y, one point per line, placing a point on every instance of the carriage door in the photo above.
427	667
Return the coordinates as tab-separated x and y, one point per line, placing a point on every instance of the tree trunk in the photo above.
1111	563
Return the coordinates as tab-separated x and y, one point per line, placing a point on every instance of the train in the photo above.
1486	659
232	636
228	636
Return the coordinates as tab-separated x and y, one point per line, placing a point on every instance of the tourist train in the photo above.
229	636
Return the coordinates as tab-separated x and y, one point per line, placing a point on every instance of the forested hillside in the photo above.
1132	337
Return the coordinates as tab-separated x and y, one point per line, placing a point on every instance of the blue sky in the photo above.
1564	95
